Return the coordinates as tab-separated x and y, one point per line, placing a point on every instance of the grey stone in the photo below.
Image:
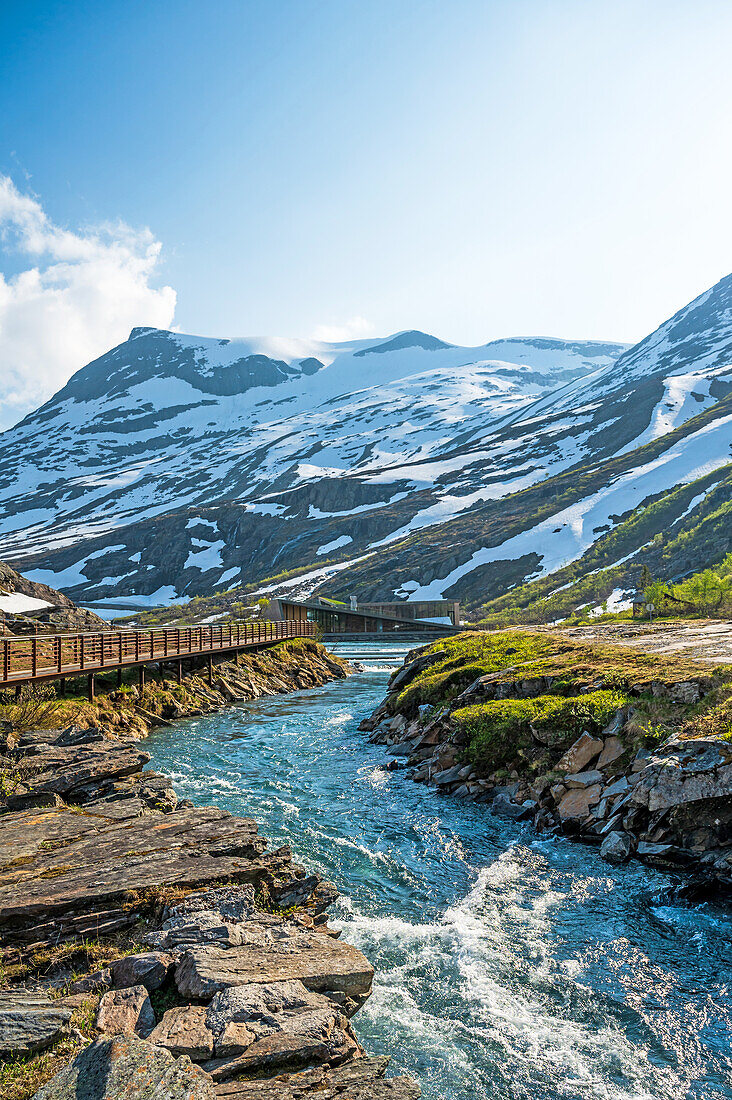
617	847
128	1069
319	961
149	969
30	1022
584	779
620	786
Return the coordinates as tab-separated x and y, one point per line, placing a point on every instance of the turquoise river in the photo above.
508	966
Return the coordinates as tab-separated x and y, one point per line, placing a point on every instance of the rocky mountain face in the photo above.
177	465
27	606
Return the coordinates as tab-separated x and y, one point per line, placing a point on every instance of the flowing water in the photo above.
508	966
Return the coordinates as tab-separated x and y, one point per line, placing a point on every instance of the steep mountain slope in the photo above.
166	425
177	465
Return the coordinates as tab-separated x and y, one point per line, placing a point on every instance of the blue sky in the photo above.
473	169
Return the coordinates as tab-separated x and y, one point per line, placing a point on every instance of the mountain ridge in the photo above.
177	465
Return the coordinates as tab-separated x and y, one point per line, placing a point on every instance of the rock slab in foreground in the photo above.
128	1069
320	962
361	1079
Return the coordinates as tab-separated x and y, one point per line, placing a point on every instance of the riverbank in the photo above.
623	749
133	708
157	946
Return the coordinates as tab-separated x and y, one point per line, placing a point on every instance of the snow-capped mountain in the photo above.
177	465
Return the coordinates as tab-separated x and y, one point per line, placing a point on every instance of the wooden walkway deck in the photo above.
29	659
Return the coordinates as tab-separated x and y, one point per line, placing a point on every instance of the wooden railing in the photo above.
45	656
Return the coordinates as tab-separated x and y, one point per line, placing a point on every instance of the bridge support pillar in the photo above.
141	677
17	691
119	677
62	686
180	672
210	671
90	687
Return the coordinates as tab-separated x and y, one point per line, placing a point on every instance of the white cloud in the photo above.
354	329
77	295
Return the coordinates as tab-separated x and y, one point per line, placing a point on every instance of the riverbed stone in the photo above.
126	1012
575	806
579	755
128	1069
617	847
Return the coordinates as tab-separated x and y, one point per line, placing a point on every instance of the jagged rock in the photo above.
30	1022
671	781
504	806
575	806
617	847
613	749
128	1069
183	1030
232	903
359	1079
584	779
620	786
319	961
126	1012
150	970
256	1025
579	755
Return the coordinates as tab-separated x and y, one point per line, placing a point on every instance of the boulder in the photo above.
617	847
612	751
258	1025
183	1030
584	779
318	961
579	755
149	969
126	1012
128	1069
575	806
30	1022
359	1079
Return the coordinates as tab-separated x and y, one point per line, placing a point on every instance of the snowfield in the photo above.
176	465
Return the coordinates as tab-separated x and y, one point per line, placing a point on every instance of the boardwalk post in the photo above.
180	672
142	678
119	677
210	671
90	688
62	686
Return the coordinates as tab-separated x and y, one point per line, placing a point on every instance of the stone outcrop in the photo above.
225	958
670	805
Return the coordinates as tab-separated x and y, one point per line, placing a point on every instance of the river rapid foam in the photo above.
508	966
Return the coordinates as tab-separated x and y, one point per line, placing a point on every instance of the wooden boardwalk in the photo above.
30	659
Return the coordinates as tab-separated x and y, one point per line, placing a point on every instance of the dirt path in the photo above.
703	639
